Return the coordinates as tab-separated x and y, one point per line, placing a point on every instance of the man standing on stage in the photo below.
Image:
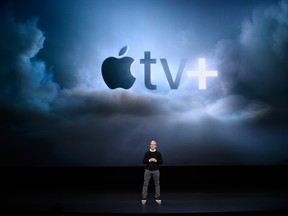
152	159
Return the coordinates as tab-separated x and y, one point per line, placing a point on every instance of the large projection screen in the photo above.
92	82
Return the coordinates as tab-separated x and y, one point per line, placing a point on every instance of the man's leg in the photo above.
147	176
156	177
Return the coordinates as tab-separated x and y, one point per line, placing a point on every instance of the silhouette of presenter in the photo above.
152	159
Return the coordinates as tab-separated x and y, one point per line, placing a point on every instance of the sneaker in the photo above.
143	201
158	200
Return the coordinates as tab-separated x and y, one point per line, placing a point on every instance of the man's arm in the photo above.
159	159
145	159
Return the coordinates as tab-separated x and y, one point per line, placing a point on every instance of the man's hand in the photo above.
152	160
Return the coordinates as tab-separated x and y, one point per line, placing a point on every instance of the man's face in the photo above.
153	145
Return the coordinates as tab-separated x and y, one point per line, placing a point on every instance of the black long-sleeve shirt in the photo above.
152	166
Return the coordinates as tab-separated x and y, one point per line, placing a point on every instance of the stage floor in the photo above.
84	202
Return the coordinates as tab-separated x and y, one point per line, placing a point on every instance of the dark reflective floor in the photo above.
129	202
213	191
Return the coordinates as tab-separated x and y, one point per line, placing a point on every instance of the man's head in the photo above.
153	145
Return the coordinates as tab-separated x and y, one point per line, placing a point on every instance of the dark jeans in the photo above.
156	177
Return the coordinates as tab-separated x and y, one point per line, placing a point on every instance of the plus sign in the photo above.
202	74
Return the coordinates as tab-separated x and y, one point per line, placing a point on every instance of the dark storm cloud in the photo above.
23	79
26	91
255	64
105	133
77	102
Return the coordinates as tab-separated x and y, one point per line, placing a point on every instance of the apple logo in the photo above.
116	71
